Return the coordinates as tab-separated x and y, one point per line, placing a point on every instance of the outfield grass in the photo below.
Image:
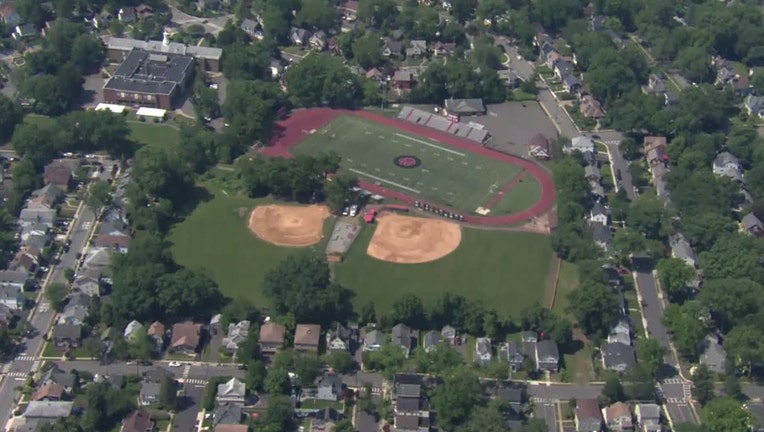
141	132
447	176
505	270
567	282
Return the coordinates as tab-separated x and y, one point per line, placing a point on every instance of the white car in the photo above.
353	210
345	211
174	364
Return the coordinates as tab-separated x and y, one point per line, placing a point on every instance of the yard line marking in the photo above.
391	174
381	137
377	170
363	165
407	145
464	163
350	160
447	150
380	179
449	158
436	154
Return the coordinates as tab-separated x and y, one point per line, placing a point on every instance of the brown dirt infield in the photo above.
413	240
289	225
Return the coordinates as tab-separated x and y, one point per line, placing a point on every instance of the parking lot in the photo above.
513	124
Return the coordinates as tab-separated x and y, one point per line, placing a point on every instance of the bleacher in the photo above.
471	131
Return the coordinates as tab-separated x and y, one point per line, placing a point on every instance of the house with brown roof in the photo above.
156	332
272	337
120	243
588	417
138	421
374	74
185	337
306	337
58	174
590	107
49	391
618	417
538	147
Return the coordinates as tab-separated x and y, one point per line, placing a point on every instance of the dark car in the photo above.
618	174
596	136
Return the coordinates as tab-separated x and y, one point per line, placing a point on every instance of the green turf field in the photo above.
506	270
448	176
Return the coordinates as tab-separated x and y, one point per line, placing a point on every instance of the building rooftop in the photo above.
147	72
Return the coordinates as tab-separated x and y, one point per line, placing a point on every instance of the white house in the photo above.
727	165
583	144
599	214
483	350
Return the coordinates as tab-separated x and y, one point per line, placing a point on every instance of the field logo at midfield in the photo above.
407	161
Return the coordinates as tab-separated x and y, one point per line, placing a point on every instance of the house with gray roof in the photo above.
12	297
373	340
132	330
583	144
727	165
513	353
754	105
547	356
449	334
752	225
55	375
149	393
682	250
232	391
599	214
73	315
48	410
714	356
227	414
464	107
621	332
602	236
648	417
618	356
329	387
14	278
430	340
402	336
67	336
249	26
299	36
87	283
237	333
416	48
43	216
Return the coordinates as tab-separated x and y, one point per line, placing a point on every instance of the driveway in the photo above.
513	124
190	404
548	412
523	68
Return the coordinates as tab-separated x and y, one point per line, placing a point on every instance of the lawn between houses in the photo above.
437	172
142	132
506	270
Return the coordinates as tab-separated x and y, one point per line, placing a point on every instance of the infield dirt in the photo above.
289	225
413	240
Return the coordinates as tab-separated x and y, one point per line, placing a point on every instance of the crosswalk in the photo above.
25	358
540	400
195	381
17	374
672	381
610	141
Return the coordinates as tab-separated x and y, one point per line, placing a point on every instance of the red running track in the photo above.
290	132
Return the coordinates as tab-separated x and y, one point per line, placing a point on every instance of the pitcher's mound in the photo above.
412	240
289	225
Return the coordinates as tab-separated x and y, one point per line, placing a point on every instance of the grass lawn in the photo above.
215	239
142	132
504	270
567	282
320	404
579	365
447	176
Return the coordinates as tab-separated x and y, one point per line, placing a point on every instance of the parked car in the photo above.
353	210
174	364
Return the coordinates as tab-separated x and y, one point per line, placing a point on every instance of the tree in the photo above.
732	256
10	116
693	61
56	294
732	300
339	191
651	354
455	400
300	285
251	108
93	347
307	368
389	360
687	324
613	390
318	14
36	144
344	425
409	310
168	392
647	215
640	385
627	241
675	275
595	306
367	51
491	418
732	387
438	360
245	61
142	346
341	361
99	195
87	53
256	375
702	385
745	345
187	294
726	415
277	382
279	416
377	13
323	80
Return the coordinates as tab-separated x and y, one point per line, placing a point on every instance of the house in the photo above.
156	375
299	36
318	40
599	214
648	417
138	421
602	235
49	391
654	148
449	334
515	396
620	332
417	48
120	243
233	391
227	413
276	68
402	337
403	80
58	376
12	297
24	31
329	387
373	340
185	337
670	98
552	57
47	410
750	225
483	352
583	144
156	332
338	338
618	356
656	84
73	315
430	340
349	10
590	107
529	336
58	174
25	260
757	413
562	68
306	337
727	165
682	250
132	330
8	14
271	337
617	417
547	356
15	279
538	147
249	26
87	283
391	48
572	84
754	105
202	5
508	77
443	49
588	417
41	216
67	336
513	353
375	75
592	173
714	356
126	15
237	333
149	393
46	197
463	107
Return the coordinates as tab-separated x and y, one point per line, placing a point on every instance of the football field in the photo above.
422	168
